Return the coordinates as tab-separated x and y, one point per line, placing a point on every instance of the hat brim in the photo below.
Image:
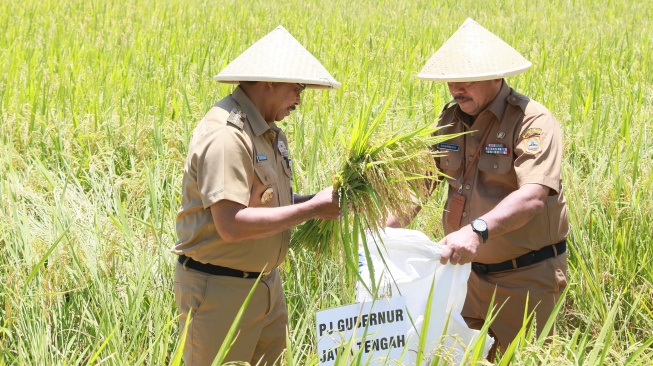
310	83
475	77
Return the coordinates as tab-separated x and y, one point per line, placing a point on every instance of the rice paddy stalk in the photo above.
381	175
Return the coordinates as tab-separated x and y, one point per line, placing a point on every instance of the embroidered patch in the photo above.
532	141
267	195
532	145
497	149
532	132
236	118
449	147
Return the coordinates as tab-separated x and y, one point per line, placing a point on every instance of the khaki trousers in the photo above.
215	301
542	282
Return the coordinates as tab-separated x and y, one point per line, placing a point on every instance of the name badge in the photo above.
449	147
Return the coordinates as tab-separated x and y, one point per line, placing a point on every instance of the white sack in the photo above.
412	265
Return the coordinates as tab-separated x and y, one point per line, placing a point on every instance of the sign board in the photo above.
377	330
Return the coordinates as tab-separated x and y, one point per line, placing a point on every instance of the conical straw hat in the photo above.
473	53
278	57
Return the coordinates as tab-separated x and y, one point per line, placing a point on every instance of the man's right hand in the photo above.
327	204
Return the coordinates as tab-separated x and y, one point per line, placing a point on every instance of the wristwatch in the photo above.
480	227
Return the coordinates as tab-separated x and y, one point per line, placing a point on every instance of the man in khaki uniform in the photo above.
505	211
238	208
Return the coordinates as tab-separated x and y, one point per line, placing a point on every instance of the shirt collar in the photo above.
498	105
259	125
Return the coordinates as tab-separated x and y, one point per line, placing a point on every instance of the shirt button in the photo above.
267	178
496	166
467	186
471	158
464	214
446	162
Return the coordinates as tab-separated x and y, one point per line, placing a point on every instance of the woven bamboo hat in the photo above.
278	57
473	53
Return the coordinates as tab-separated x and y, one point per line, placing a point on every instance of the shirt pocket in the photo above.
266	173
265	190
451	164
496	176
495	164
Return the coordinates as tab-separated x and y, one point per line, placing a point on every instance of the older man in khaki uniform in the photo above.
238	208
506	212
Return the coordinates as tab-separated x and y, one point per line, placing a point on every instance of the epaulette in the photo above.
236	118
518	100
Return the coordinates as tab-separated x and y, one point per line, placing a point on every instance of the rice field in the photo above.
98	99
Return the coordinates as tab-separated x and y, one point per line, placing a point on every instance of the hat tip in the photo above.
468	21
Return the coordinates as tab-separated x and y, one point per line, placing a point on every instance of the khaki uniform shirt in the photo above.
234	154
524	146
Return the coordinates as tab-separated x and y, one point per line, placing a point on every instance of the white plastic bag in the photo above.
407	263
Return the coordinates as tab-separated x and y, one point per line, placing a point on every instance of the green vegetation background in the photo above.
98	98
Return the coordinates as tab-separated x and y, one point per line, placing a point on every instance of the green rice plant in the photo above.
382	174
98	100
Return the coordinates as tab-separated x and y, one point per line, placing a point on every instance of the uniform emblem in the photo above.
501	135
237	118
267	195
532	132
532	141
497	149
282	149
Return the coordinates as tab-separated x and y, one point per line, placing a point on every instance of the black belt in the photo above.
522	261
218	270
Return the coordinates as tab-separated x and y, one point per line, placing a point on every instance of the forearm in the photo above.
262	222
403	220
236	222
513	212
298	198
516	210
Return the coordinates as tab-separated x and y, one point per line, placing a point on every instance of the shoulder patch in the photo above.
236	118
531	132
532	141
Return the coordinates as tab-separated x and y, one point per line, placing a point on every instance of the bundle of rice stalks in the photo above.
382	174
